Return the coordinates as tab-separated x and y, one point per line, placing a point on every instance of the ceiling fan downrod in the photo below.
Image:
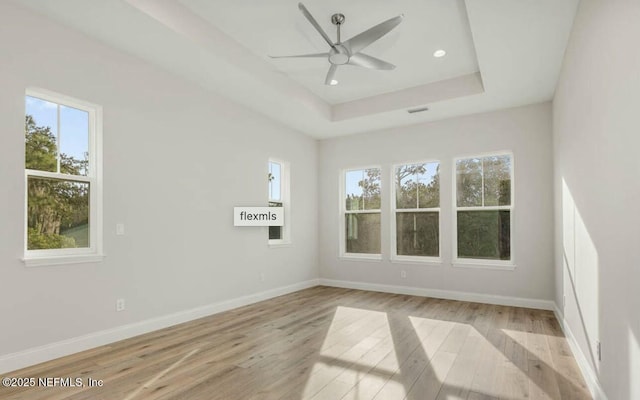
338	55
337	20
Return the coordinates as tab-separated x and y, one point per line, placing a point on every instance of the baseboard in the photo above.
36	355
588	373
444	294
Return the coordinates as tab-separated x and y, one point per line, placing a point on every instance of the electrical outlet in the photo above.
403	274
261	276
120	305
119	229
599	350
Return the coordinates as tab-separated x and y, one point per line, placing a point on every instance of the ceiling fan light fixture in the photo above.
439	53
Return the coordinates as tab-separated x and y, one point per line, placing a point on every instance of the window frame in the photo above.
343	254
285	199
478	262
93	253
394	256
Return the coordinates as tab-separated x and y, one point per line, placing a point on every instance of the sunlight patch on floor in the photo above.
148	384
352	347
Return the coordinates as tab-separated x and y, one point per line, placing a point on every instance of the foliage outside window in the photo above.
362	211
278	179
61	176
484	207
417	210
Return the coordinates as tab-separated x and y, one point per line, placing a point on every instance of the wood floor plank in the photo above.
543	384
486	374
430	381
459	379
328	344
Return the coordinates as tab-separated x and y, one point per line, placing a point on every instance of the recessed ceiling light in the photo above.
439	53
333	82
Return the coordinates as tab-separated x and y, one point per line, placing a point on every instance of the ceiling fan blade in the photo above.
364	39
363	60
315	55
331	74
313	21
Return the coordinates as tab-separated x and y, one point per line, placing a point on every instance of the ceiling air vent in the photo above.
417	110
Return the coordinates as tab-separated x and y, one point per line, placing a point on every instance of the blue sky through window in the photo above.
352	178
431	170
74	125
275	191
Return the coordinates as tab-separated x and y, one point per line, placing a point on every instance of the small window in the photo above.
62	177
361	209
278	178
484	203
416	230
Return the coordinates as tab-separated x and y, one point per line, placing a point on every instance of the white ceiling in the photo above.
501	53
410	46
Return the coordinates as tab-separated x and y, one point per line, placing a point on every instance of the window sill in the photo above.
279	244
483	265
361	257
416	260
62	260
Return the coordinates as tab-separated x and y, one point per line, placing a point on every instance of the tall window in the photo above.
417	211
62	177
279	197
484	202
361	202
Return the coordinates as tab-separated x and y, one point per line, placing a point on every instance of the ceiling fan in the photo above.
349	51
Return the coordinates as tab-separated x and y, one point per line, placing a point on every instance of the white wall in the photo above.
526	131
176	160
596	140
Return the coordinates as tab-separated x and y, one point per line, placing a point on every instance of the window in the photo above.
416	209
62	173
279	197
484	204
360	228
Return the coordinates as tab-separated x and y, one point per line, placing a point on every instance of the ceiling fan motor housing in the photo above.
339	55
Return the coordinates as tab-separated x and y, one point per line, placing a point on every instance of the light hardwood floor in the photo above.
330	343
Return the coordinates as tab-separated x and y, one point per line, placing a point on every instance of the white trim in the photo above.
342	212
486	264
462	262
59	176
93	178
588	373
394	257
484	154
35	355
443	294
285	199
62	260
416	210
276	244
484	208
415	260
360	257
